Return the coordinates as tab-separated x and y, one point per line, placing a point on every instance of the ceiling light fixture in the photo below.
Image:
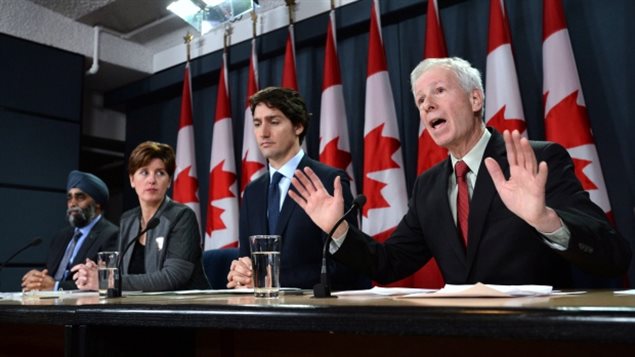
205	15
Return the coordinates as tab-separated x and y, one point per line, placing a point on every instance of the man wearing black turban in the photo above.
88	234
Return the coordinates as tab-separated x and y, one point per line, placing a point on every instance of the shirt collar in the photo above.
288	169
474	157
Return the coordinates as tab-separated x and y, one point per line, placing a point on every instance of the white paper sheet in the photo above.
486	290
381	291
239	291
48	294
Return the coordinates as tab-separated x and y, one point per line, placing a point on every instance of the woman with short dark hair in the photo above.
168	256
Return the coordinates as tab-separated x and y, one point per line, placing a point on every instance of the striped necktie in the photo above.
462	199
62	269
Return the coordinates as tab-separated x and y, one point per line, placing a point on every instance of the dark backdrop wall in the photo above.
40	109
601	35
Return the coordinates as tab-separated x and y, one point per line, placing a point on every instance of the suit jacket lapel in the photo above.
60	249
131	233
260	204
152	253
484	192
88	242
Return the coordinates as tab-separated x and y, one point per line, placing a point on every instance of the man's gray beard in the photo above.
78	217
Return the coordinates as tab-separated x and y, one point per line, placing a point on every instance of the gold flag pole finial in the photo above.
254	22
226	37
188	39
290	6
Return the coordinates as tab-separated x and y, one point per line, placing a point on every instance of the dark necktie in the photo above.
462	199
273	206
62	269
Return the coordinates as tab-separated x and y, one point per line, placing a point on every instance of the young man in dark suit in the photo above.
88	234
280	122
516	215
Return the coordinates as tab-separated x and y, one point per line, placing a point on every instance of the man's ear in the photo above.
476	99
298	128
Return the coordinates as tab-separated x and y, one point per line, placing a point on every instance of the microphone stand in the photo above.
323	289
33	243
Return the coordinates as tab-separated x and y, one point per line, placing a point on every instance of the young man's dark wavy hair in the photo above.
286	100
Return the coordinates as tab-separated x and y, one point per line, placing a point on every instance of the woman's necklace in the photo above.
143	223
142	226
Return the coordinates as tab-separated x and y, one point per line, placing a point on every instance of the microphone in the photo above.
323	289
33	243
116	291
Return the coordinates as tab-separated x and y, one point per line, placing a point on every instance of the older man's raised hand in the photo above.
323	209
524	192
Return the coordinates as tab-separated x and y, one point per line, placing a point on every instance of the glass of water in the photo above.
108	273
265	258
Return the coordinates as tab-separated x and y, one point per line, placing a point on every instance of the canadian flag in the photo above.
253	164
429	152
384	181
185	180
221	230
335	149
503	107
566	119
289	76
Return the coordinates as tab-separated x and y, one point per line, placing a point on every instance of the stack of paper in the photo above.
486	290
450	290
380	291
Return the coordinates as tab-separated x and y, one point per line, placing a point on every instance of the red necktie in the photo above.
462	199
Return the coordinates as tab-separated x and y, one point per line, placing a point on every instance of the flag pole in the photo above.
188	39
254	22
226	38
186	184
291	8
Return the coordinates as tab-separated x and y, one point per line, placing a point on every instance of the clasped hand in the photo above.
240	274
86	275
37	280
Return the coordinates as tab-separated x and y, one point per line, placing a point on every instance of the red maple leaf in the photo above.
233	244
333	156
221	182
248	169
579	165
214	222
501	123
372	190
567	122
185	187
378	157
